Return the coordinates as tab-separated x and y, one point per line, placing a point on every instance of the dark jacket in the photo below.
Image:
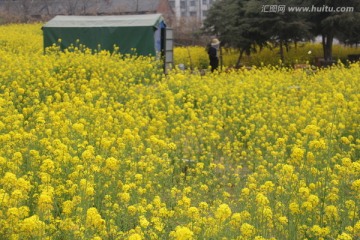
214	60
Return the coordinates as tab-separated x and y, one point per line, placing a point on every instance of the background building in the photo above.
184	16
45	9
196	9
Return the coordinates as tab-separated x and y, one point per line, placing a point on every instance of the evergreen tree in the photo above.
350	34
280	26
226	19
330	23
244	24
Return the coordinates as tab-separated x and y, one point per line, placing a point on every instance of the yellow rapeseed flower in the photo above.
94	219
182	233
32	227
247	230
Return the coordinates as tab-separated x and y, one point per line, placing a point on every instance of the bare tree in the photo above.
88	7
25	6
71	6
45	7
136	6
187	32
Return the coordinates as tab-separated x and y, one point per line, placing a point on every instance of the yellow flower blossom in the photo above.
112	164
94	219
283	220
318	231
294	208
132	210
223	212
68	207
182	233
311	130
143	222
331	212
193	212
247	230
357	228
344	236
32	227
45	202
135	236
356	185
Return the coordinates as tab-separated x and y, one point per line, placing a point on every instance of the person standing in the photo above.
213	52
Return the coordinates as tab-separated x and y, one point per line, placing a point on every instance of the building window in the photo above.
204	2
172	4
211	2
182	4
192	3
192	14
204	13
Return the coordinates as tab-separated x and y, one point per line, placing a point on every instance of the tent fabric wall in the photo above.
127	32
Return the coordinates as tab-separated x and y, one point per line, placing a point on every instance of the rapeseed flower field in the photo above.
196	56
103	146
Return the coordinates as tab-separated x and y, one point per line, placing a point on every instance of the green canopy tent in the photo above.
144	33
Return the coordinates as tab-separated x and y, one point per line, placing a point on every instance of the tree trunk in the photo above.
327	42
239	59
281	51
25	4
221	63
46	7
